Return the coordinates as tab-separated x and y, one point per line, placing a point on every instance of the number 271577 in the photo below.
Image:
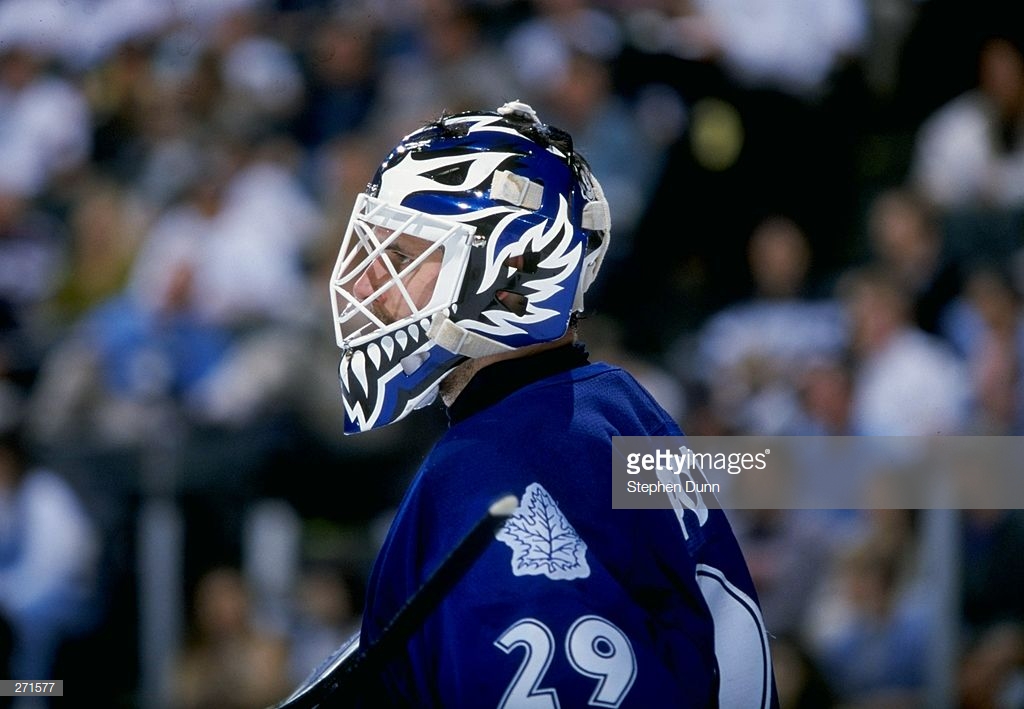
33	687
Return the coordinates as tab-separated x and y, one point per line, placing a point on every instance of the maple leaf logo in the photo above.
542	540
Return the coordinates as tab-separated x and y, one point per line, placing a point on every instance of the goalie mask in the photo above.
479	234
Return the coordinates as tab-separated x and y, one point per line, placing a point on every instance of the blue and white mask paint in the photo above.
479	234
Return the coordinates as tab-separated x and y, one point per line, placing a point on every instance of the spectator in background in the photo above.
121	90
340	62
905	237
876	655
49	561
244	227
794	46
31	251
125	360
32	244
752	352
336	175
46	131
541	46
992	336
906	382
449	68
263	85
992	670
788	552
826	387
328	611
229	662
969	154
106	226
169	150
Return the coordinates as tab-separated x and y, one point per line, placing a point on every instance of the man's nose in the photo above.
370	280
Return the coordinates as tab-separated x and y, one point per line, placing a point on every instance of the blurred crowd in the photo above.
818	212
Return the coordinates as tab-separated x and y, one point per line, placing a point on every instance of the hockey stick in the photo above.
349	667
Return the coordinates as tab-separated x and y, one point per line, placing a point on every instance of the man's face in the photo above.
412	288
390	266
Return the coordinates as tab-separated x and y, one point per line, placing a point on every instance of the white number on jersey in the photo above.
594	647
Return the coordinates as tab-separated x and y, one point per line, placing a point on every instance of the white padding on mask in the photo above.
459	340
596	216
517	190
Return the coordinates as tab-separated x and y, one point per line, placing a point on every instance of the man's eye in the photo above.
397	258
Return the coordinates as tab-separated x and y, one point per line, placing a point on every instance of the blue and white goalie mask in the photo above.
478	234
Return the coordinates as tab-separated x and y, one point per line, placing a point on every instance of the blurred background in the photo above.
818	214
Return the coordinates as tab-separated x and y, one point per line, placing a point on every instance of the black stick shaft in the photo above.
349	674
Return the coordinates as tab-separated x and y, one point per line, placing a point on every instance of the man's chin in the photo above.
384	316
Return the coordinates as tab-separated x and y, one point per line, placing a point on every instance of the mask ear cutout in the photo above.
515	302
527	262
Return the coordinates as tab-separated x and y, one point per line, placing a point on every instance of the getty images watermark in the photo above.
818	472
686	459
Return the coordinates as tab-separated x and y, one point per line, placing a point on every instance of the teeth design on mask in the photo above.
358	367
366	370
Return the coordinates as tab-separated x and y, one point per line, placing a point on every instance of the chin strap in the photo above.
459	340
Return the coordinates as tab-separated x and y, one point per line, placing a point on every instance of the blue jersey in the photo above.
574	604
